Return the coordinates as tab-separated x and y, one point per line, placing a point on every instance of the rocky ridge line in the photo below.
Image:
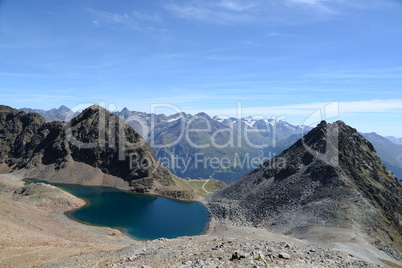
331	178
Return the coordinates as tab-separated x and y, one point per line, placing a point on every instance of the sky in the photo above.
295	60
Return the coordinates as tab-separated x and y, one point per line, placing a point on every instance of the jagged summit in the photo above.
203	115
63	109
331	178
93	109
125	110
113	145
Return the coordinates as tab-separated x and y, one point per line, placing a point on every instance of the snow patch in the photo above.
173	119
250	123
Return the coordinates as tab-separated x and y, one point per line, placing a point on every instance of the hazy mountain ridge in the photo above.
394	139
59	114
389	152
326	183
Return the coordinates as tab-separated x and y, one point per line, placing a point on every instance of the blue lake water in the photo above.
142	217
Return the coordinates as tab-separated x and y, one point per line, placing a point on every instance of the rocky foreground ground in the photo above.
34	232
216	251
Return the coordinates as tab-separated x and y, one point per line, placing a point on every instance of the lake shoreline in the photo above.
188	220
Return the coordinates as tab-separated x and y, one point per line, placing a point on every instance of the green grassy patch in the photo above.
196	186
390	263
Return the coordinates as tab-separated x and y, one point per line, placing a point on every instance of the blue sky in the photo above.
277	58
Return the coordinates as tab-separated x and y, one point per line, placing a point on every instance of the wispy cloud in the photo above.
37	75
333	7
101	65
113	18
237	5
234	12
222	12
147	17
134	20
273	34
24	99
319	5
386	73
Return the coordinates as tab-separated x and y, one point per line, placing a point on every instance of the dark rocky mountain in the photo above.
95	147
389	152
394	140
328	181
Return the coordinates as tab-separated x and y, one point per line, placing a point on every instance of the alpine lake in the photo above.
142	217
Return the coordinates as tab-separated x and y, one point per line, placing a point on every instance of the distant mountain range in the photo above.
198	146
328	182
394	140
54	114
389	152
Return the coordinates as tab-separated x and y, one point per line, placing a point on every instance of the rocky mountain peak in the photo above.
63	109
203	115
94	109
106	141
90	112
331	178
125	110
